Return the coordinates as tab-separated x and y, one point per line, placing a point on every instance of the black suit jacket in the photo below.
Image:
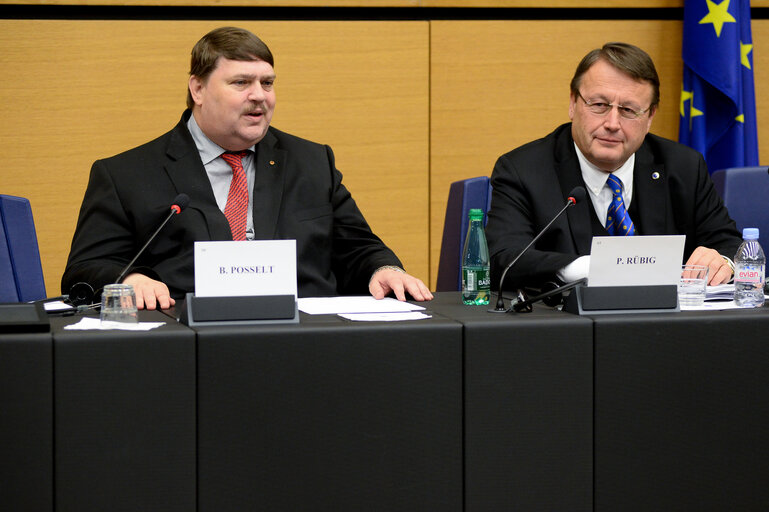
672	194
298	194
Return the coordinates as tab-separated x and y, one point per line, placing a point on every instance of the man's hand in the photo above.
719	270
149	293
387	280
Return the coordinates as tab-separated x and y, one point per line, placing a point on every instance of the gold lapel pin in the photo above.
272	162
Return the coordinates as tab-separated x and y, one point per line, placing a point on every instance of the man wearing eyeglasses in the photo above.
638	183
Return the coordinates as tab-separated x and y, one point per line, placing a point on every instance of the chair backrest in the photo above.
745	191
463	196
21	273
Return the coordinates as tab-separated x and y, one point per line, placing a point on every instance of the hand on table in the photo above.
386	280
150	294
719	270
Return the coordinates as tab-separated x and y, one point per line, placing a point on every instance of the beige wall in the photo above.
75	91
407	106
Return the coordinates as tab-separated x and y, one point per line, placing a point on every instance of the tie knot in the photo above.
614	183
234	158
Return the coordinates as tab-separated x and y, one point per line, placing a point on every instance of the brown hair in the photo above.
626	58
228	42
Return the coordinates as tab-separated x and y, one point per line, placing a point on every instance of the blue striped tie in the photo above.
617	219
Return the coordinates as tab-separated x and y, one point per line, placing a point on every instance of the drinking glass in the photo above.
118	304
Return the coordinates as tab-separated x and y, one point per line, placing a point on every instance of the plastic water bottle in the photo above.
749	271
476	276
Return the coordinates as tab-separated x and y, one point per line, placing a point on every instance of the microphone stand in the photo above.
500	307
524	306
174	210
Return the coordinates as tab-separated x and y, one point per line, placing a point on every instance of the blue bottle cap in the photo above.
750	233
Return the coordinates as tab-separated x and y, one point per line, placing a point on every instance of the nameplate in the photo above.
246	268
636	260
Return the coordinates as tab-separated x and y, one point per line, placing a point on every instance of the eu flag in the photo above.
718	103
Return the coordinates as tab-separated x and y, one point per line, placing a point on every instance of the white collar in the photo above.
208	149
595	178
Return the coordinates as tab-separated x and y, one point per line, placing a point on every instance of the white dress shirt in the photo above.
601	196
220	173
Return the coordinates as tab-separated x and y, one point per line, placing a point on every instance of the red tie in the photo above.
236	209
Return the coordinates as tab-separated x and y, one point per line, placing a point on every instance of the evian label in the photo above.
749	274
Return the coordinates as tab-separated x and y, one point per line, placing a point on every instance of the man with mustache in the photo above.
246	181
638	183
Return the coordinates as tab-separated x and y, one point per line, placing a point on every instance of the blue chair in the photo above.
745	191
463	196
21	273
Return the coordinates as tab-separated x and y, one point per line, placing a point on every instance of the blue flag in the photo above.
718	103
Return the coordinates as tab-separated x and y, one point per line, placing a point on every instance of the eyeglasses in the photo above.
600	108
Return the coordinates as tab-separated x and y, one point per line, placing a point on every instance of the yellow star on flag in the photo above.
740	118
693	112
685	95
718	14
745	50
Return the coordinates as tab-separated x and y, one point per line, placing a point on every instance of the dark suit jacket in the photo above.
298	194
531	184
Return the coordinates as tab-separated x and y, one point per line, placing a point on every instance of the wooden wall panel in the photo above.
384	95
498	84
75	91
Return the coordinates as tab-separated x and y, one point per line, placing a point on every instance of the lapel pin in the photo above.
272	162
655	175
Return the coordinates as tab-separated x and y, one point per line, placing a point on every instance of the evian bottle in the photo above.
749	265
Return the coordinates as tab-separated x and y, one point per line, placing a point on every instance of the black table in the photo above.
330	415
124	422
528	384
26	421
682	411
468	410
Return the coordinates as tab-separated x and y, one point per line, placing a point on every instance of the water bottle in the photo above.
749	266
476	276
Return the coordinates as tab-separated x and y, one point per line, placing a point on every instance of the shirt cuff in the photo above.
575	270
731	266
387	267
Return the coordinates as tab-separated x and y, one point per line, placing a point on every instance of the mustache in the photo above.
254	107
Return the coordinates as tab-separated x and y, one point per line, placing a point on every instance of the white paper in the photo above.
636	260
720	292
57	305
245	268
713	306
357	304
385	317
88	323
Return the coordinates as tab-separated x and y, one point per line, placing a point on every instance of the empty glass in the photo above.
118	304
693	285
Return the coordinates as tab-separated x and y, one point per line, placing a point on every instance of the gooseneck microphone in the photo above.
577	194
180	203
82	294
525	303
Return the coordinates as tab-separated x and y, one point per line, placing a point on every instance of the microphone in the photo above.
552	297
576	194
180	203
